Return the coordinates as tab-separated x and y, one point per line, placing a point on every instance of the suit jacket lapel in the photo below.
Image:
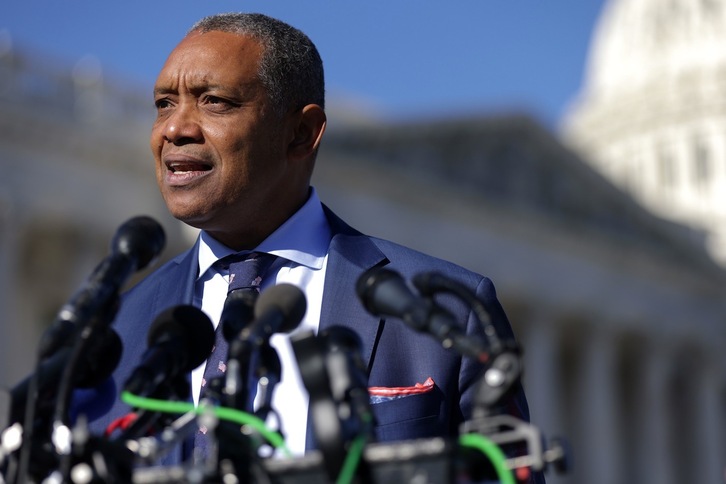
351	253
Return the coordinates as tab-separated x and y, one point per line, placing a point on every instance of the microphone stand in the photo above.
503	372
335	377
61	432
176	389
231	449
269	374
432	283
235	448
236	377
21	470
327	427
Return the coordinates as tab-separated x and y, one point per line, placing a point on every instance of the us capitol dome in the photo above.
651	115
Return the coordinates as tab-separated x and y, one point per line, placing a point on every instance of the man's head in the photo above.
239	121
290	69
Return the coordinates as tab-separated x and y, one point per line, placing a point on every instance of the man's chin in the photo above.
191	218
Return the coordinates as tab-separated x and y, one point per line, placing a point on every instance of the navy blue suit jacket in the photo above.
395	354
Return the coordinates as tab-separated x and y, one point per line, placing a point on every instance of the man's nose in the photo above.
182	126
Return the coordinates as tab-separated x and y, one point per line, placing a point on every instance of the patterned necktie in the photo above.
245	274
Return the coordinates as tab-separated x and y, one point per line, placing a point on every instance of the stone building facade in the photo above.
75	165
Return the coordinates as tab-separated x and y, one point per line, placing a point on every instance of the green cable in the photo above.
493	452
486	446
347	472
223	413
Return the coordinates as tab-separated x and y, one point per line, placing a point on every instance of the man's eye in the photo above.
162	103
218	102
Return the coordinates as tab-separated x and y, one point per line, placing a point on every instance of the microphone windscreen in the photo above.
238	312
100	361
189	327
342	338
384	292
140	239
286	299
93	402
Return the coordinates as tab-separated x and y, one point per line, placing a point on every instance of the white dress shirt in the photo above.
301	244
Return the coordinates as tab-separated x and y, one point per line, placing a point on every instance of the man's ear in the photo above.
308	131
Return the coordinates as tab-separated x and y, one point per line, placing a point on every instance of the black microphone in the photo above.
238	312
335	377
136	243
327	427
95	366
348	381
279	309
179	340
384	292
430	283
93	403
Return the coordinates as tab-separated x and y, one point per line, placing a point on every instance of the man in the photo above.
240	118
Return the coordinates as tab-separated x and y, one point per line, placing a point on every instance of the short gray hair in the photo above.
291	69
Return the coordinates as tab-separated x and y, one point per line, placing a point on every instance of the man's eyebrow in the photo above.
199	88
164	90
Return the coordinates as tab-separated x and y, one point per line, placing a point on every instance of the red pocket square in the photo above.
396	392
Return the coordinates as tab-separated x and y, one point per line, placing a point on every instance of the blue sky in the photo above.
403	58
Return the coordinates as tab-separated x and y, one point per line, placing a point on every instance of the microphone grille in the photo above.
140	239
101	361
189	325
288	300
384	292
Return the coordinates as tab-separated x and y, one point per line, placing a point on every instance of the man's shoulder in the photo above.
167	270
399	257
409	261
167	285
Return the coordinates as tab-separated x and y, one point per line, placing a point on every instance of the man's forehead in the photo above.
214	51
215	44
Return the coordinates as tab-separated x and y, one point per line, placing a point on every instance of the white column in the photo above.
541	374
542	380
709	424
653	460
597	452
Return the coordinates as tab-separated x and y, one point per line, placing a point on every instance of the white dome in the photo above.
652	113
639	42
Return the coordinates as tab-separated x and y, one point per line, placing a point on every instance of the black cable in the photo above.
431	283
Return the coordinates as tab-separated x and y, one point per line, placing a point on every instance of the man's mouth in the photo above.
184	172
182	167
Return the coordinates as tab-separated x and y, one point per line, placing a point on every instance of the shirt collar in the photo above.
303	239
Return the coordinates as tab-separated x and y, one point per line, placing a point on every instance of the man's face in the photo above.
219	146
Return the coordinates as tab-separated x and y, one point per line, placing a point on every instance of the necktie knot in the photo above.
246	270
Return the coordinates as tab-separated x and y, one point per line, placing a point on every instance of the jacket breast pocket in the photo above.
410	417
